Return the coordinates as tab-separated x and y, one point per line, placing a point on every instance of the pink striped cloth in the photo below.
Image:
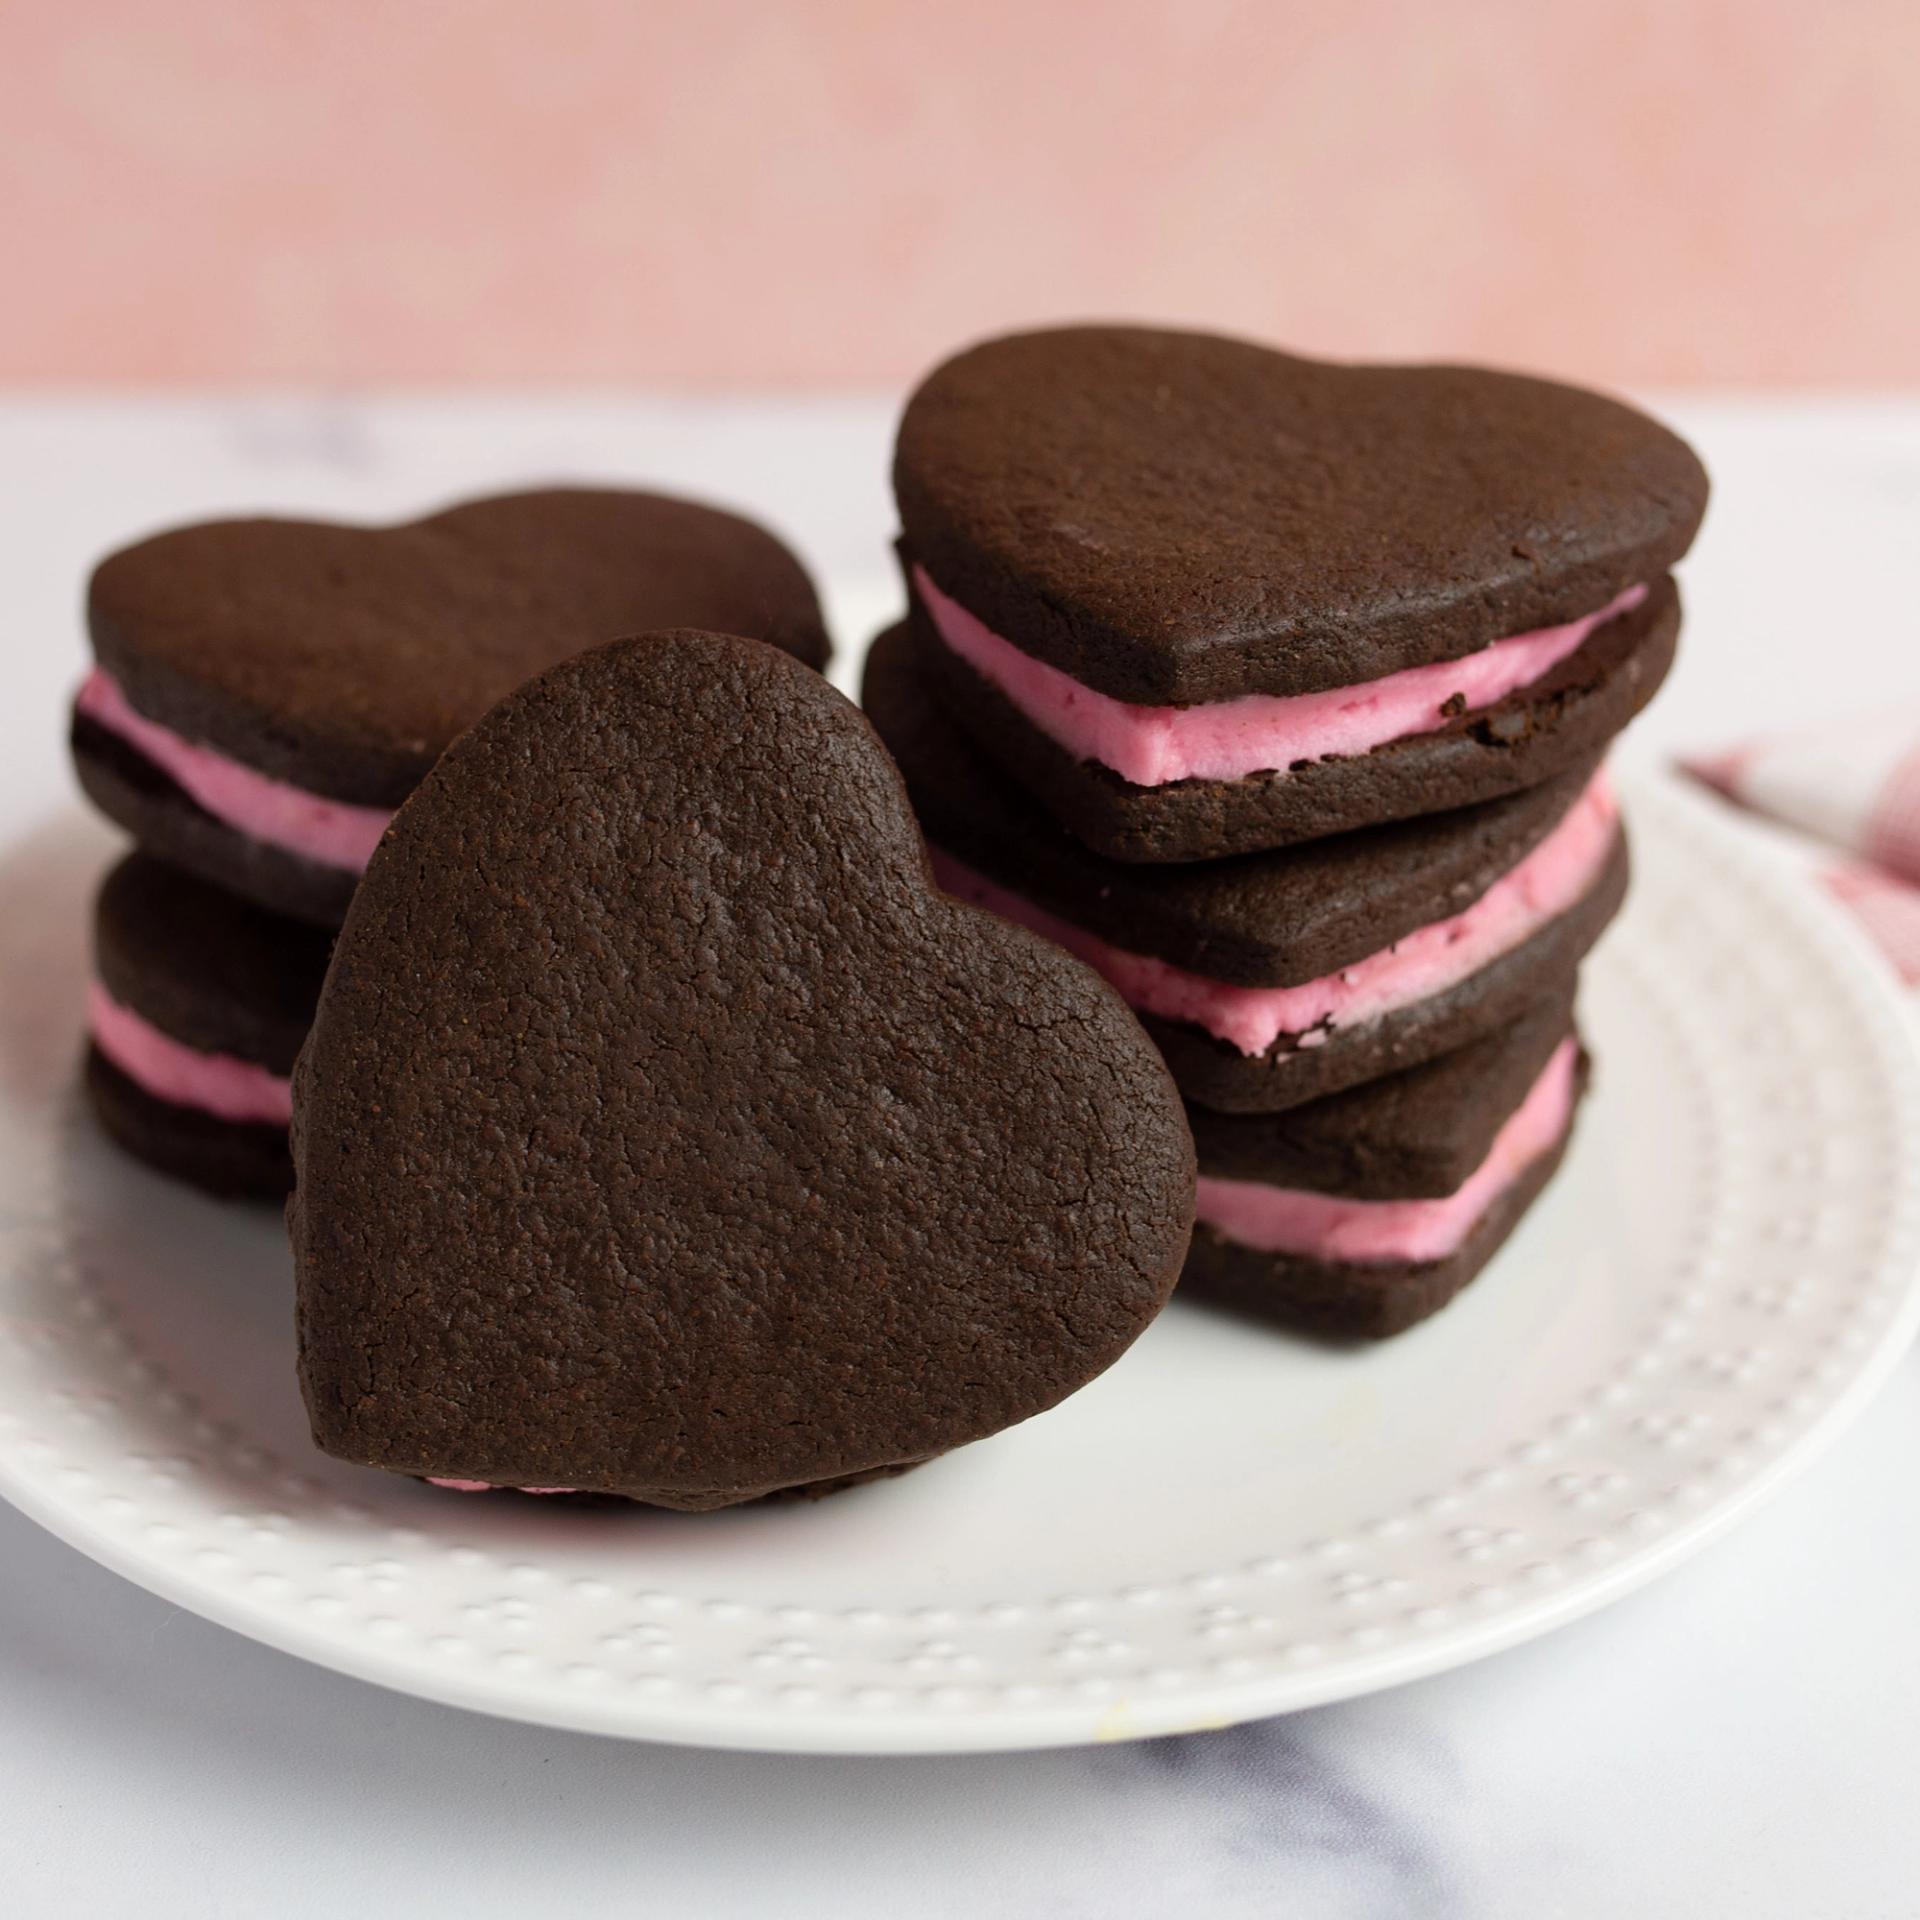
1856	789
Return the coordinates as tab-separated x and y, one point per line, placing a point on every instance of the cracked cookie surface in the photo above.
665	1132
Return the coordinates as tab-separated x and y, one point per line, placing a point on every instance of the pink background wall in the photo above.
743	190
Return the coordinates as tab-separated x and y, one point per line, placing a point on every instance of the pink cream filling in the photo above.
488	1486
217	1083
1257	732
1369	1232
333	833
1550	880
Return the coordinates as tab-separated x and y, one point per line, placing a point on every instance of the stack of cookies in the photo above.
265	694
659	1128
1279	691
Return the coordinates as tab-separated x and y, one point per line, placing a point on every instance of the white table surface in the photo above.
1741	1739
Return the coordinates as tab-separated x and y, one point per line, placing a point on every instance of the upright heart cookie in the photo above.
664	1132
1204	598
268	691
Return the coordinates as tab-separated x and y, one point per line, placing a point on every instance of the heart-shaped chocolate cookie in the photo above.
268	691
664	1132
1206	598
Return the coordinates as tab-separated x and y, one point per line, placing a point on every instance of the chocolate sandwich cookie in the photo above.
198	1004
1360	1214
665	1132
1204	598
268	691
1277	978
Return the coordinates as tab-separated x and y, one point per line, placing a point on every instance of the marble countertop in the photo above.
1743	1738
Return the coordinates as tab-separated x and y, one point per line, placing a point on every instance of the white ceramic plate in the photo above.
1230	1523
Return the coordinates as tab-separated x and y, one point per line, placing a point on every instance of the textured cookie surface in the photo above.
343	659
664	1132
1177	517
1265	919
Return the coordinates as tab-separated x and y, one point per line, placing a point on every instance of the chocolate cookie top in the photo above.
1259	920
206	967
664	1132
343	659
1414	1135
1177	517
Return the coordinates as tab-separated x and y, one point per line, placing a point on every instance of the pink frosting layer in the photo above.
488	1486
331	832
218	1083
1370	1232
1551	879
1258	732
